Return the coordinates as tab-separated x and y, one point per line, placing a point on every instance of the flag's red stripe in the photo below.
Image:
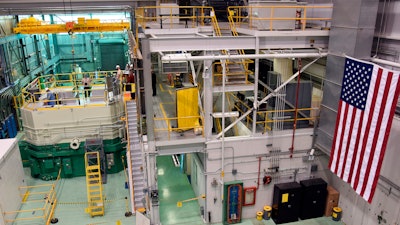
344	119
367	131
336	131
376	132
385	141
348	141
353	161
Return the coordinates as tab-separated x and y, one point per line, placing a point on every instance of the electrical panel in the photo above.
314	198
286	202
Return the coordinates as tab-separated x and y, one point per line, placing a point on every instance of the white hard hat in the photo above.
46	89
117	66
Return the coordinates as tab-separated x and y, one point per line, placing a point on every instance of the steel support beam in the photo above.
26	7
161	44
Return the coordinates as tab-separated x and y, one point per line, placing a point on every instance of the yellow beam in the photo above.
34	26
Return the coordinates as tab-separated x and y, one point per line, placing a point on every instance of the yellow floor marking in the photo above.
161	88
26	195
165	115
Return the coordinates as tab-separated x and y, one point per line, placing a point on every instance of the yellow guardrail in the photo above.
190	16
67	88
169	17
169	129
265	118
32	25
218	73
36	197
249	16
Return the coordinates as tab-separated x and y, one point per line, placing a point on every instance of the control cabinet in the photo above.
314	198
286	202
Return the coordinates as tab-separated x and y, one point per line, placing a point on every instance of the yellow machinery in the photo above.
33	26
187	108
94	184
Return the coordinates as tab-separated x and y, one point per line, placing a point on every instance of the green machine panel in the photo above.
67	167
233	197
46	161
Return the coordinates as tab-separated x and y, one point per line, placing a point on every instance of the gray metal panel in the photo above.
351	34
324	142
331	95
335	69
369	12
346	13
352	42
329	117
161	44
365	37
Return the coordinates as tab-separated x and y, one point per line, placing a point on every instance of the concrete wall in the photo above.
385	202
11	177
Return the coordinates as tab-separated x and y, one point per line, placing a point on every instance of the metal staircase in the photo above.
94	184
136	169
237	70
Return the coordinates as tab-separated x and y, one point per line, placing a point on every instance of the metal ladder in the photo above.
96	145
94	184
134	154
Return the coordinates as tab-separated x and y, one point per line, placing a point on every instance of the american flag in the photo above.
365	114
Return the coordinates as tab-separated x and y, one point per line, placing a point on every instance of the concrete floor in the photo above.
173	186
72	201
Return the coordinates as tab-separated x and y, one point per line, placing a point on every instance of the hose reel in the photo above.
74	144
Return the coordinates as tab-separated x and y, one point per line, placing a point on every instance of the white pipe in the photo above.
223	63
193	73
256	74
266	98
184	57
385	62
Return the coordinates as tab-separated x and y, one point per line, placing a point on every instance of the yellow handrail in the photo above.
249	15
50	203
66	83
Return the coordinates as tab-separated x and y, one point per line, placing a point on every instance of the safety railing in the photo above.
174	16
166	126
168	17
241	75
231	20
269	17
68	91
35	207
266	119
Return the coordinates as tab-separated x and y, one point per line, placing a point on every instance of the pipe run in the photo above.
385	62
184	57
266	98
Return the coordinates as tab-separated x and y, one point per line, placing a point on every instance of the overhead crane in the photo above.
33	26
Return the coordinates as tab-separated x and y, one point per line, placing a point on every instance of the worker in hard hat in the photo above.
119	74
87	86
50	98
